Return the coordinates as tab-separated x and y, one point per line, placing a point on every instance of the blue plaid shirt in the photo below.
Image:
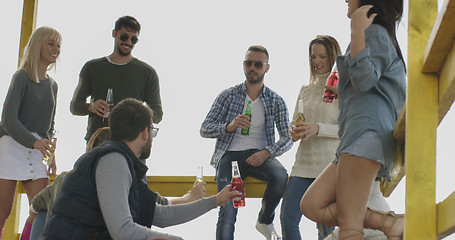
229	104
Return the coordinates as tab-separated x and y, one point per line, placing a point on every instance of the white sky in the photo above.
197	48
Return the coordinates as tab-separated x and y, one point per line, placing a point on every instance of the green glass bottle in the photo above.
246	131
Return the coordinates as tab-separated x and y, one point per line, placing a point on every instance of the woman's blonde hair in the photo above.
332	47
32	51
100	135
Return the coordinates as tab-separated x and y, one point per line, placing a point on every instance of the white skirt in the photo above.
20	163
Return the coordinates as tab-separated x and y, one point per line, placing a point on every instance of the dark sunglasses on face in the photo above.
125	37
257	65
154	131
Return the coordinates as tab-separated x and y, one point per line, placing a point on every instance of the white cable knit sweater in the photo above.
314	154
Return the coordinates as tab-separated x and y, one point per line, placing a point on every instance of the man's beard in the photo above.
145	153
258	80
123	53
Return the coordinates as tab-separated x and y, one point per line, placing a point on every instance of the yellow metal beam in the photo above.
29	13
11	229
446	220
176	186
441	38
421	125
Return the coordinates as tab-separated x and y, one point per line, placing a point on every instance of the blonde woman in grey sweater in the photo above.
28	121
318	135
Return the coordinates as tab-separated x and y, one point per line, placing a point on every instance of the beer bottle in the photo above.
246	131
199	176
110	102
237	184
332	80
300	116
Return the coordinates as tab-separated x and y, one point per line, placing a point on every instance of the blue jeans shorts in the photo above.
368	145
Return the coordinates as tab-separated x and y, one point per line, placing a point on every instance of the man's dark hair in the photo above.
128	118
259	48
129	22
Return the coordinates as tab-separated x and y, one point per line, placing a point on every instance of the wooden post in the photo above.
11	229
29	13
421	126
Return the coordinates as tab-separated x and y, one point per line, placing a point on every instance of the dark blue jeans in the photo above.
38	225
290	210
271	171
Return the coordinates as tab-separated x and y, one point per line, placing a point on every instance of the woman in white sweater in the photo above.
318	135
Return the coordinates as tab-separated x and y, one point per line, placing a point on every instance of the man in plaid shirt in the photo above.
256	152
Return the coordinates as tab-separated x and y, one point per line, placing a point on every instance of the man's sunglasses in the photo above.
257	65
125	37
154	131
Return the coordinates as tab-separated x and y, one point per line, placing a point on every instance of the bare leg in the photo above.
7	190
354	180
320	196
33	187
339	197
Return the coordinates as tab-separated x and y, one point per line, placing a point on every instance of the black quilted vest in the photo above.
76	213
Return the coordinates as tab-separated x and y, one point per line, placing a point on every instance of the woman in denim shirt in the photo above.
372	88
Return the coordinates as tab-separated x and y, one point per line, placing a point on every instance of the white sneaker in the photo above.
267	230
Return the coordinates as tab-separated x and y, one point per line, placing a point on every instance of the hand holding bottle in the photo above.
333	89
246	129
304	130
241	121
99	107
226	194
197	192
45	146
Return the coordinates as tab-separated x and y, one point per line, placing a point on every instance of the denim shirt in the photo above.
372	91
229	104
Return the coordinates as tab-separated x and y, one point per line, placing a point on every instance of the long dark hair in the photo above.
389	15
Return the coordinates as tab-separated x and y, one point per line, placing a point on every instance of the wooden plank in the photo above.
398	169
421	125
176	186
446	220
447	84
441	38
399	131
397	173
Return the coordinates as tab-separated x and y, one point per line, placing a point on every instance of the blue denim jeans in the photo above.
38	225
290	210
271	171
